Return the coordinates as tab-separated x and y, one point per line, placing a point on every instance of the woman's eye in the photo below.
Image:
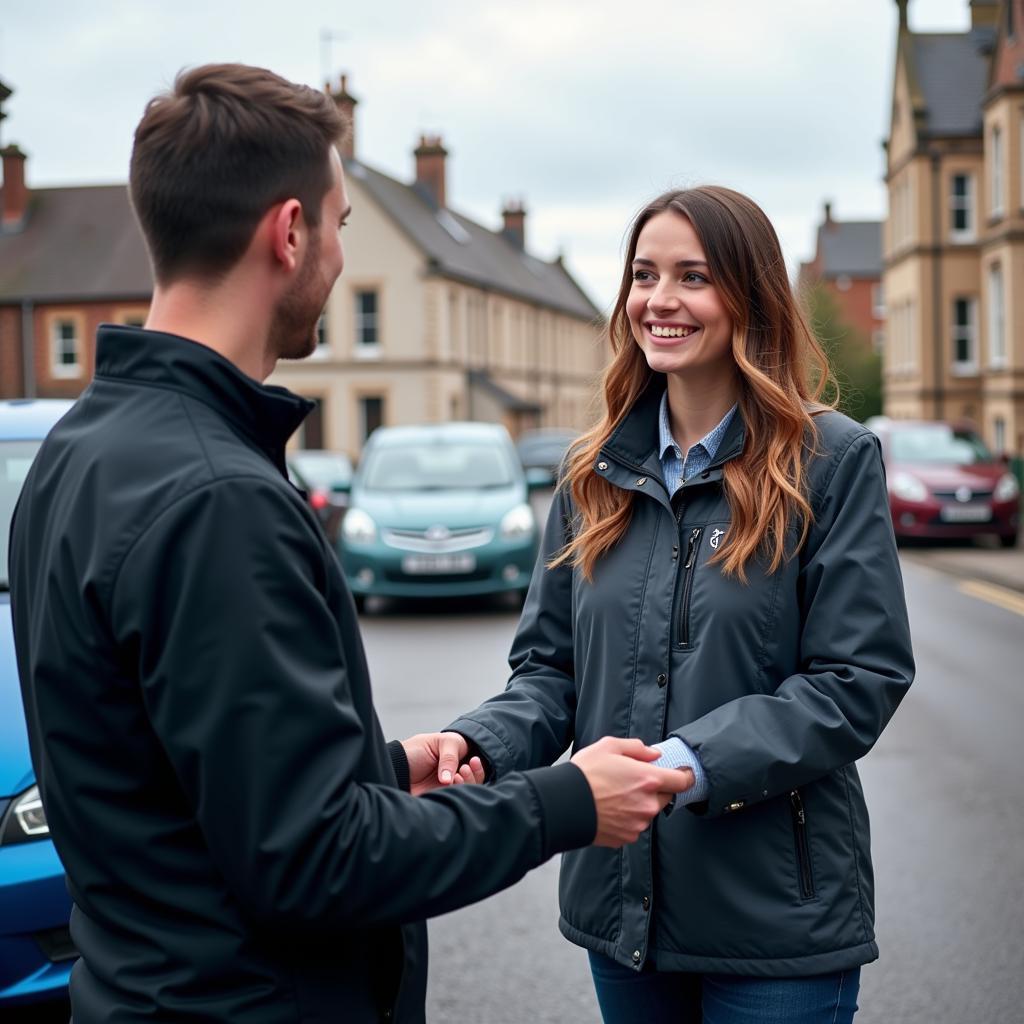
692	277
642	275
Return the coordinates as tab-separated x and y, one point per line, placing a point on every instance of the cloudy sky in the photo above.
583	109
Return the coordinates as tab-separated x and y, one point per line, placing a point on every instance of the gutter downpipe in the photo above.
28	362
937	332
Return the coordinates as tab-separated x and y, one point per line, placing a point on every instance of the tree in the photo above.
855	364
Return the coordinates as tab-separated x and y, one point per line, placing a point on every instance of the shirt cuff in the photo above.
676	753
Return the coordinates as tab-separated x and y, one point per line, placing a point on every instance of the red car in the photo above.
944	483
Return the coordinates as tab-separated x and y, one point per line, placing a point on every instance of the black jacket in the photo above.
780	685
201	723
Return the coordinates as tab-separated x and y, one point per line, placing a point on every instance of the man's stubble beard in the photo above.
293	328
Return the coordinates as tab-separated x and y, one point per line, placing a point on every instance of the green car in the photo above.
438	511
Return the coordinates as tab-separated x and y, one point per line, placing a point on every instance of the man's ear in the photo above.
287	232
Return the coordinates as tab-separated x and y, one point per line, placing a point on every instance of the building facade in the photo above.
70	259
954	237
438	318
435	317
847	263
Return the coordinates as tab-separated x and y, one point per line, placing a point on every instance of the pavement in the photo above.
978	561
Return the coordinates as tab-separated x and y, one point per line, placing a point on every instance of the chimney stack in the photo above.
346	103
430	156
902	5
15	192
829	222
514	215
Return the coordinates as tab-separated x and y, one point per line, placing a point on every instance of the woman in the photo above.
720	574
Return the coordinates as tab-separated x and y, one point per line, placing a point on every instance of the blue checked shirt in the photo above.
676	468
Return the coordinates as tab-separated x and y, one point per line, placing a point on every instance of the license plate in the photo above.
965	513
425	565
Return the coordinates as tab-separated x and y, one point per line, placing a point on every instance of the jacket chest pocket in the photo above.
710	609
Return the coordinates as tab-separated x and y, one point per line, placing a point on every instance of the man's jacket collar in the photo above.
268	415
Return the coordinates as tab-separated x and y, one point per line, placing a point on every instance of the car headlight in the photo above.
26	819
518	523
1007	488
358	528
907	487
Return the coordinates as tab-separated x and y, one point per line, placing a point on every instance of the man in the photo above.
237	843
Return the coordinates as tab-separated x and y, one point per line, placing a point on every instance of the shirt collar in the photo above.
709	442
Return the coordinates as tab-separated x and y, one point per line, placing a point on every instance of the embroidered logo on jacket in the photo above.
716	536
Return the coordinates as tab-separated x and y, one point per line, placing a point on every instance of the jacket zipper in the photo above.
803	849
688	569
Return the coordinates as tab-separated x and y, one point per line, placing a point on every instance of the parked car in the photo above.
438	511
36	953
325	476
543	450
944	482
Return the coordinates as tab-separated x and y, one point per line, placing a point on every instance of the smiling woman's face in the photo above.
674	308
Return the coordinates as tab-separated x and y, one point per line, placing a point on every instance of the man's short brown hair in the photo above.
216	152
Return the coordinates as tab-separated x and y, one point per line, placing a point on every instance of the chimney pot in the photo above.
513	214
346	103
430	157
15	191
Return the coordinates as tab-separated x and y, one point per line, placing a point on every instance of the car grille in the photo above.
429	579
424	541
974	496
56	944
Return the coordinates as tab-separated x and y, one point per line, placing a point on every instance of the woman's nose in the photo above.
664	298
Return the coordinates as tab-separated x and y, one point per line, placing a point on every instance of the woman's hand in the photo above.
438	759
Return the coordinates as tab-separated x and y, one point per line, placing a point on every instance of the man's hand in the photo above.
628	791
437	759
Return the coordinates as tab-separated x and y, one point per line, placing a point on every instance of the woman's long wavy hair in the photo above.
782	373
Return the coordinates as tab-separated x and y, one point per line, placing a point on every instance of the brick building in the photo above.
70	259
847	263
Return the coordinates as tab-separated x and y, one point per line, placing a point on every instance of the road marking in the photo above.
1002	596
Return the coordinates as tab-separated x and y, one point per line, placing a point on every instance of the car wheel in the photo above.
1008	540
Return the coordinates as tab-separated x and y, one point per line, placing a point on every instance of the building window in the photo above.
965	353
999	435
371	414
996	317
996	170
961	201
878	300
367	333
65	348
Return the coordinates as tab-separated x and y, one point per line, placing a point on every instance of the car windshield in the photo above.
15	459
437	467
323	469
938	443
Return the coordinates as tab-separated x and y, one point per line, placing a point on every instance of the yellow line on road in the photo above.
1002	596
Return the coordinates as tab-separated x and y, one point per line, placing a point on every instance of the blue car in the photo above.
36	953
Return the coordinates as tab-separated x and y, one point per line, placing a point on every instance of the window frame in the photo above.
967	331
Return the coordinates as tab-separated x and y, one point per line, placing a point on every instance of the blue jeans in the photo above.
668	997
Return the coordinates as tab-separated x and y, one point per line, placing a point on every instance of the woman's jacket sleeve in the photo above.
532	722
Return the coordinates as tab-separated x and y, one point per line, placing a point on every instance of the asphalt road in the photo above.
947	810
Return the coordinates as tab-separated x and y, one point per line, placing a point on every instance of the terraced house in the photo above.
438	318
954	236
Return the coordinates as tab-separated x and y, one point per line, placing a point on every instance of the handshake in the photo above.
628	789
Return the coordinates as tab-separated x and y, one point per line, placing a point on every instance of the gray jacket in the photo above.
780	685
